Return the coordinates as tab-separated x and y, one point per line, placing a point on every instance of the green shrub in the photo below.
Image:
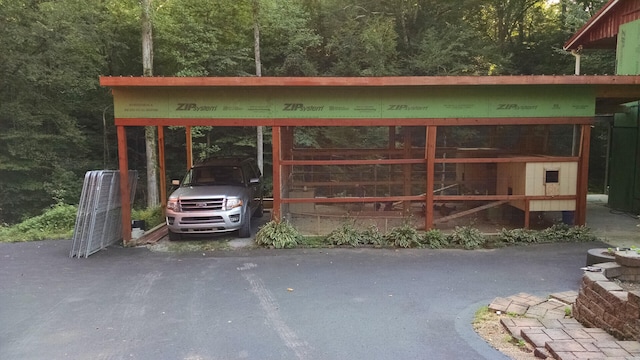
566	233
151	216
404	236
373	236
516	236
278	234
555	233
468	237
55	223
434	239
346	234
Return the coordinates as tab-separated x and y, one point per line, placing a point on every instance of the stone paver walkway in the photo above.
543	324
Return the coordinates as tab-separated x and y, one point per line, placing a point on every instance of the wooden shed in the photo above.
531	123
553	179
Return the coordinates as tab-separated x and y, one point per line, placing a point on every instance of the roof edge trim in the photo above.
119	82
569	45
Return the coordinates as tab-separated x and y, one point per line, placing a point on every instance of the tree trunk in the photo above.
152	159
256	52
256	36
149	131
147	39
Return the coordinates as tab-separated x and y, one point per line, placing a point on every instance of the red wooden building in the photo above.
617	27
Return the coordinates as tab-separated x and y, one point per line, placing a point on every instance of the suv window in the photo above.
251	171
214	175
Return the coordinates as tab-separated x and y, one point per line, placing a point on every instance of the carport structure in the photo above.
533	133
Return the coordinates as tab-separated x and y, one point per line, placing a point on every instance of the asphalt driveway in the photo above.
264	304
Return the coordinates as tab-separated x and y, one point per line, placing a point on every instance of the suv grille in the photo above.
201	204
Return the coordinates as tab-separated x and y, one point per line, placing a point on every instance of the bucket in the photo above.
567	217
138	224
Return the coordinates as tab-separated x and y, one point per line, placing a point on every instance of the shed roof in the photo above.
600	81
601	31
610	90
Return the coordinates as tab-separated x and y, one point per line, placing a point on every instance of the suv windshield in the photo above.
214	175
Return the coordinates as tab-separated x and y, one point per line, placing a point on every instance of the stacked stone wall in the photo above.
604	304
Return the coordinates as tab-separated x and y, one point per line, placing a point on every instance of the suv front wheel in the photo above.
245	230
259	211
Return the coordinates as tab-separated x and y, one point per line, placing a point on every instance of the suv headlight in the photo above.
173	205
232	203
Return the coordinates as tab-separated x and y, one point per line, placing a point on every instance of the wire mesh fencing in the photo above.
99	221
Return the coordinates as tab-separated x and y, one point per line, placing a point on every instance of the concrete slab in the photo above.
567	297
535	337
558	335
615	228
632	347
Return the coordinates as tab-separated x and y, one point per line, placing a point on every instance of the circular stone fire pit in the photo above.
599	255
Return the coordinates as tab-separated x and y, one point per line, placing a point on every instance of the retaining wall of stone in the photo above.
604	304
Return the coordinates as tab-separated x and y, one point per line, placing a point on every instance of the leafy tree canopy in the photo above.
56	122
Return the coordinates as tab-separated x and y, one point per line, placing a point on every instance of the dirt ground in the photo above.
320	219
488	326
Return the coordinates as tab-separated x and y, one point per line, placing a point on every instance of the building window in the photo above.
551	176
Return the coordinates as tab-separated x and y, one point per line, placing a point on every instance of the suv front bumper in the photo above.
205	222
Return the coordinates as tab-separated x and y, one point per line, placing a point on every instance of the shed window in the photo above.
551	176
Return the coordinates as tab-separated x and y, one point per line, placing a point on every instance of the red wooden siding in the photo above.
601	30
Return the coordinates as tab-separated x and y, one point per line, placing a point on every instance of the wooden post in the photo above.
430	155
277	173
163	170
189	147
527	213
125	200
286	153
406	171
580	217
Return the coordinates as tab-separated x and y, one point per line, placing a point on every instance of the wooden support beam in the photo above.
515	159
163	170
325	200
406	169
277	173
470	211
580	217
520	159
286	153
125	200
446	198
353	162
430	154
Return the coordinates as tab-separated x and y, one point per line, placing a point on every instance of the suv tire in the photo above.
259	211
245	230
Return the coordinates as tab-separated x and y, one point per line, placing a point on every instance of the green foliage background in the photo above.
56	122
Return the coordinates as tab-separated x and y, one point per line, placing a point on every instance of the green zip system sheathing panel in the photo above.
356	102
628	51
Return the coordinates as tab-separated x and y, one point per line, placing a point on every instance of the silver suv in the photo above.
216	196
